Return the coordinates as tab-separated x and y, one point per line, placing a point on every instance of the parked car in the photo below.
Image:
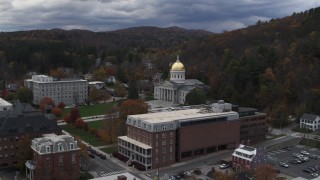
187	173
283	164
224	166
297	155
312	169
287	148
304	153
307	170
294	161
313	156
92	155
314	174
315	137
197	171
304	159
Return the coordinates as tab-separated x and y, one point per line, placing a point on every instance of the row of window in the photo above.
12	155
11	139
310	122
61	160
6	147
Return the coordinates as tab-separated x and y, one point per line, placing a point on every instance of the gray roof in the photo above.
27	124
57	143
310	117
22	108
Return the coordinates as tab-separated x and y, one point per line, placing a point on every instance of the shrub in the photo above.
85	126
79	123
93	131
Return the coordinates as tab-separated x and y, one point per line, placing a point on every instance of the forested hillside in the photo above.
274	65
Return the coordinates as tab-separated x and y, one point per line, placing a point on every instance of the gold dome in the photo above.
177	66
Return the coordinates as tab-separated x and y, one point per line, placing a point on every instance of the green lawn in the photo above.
84	135
92	110
110	150
95	124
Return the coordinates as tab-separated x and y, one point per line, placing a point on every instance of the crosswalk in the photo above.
113	173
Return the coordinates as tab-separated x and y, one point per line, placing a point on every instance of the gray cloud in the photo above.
104	15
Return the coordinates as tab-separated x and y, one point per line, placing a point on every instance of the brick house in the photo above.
54	157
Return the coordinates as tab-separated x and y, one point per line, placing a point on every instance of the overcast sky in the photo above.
106	15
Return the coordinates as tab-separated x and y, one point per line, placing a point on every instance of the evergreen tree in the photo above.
133	91
196	96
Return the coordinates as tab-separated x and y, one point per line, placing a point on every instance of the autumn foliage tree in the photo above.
45	101
74	114
57	111
265	172
61	105
222	176
79	123
24	152
130	107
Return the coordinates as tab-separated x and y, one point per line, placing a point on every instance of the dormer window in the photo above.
60	147
71	146
48	149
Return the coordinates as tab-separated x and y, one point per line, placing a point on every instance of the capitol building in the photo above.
176	89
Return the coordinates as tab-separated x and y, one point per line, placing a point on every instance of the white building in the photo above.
5	107
176	89
68	91
247	157
310	121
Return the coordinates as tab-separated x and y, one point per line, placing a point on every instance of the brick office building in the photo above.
163	138
253	127
22	122
54	157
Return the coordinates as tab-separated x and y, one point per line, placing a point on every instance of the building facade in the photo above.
22	123
163	138
54	157
253	126
310	121
69	91
176	89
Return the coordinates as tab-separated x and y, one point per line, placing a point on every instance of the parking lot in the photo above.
294	168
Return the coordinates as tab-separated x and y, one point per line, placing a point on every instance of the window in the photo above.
60	160
60	147
48	162
71	146
48	149
164	150
73	158
164	142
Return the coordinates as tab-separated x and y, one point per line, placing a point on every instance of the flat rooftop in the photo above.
169	116
247	148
